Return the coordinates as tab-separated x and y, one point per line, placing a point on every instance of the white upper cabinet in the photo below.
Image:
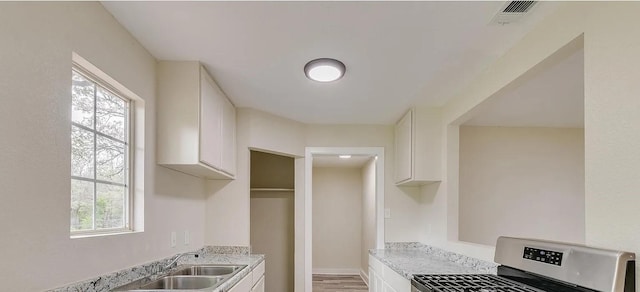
418	137
404	148
196	122
211	103
229	134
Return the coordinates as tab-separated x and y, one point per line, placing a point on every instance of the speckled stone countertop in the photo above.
153	270
412	258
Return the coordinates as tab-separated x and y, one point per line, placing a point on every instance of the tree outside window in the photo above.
100	153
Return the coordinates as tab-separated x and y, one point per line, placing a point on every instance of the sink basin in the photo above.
209	270
198	277
183	283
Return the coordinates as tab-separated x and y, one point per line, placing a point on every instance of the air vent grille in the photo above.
512	12
518	6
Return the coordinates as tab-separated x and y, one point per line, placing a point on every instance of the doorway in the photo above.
355	183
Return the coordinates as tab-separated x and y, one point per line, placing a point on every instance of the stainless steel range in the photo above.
528	265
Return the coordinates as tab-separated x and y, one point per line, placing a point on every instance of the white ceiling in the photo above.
553	98
397	54
335	161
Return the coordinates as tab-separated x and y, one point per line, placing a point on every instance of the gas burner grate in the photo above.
469	283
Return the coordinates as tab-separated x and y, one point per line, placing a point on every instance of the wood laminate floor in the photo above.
338	283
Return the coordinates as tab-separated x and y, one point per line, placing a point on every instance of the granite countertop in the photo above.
153	270
408	259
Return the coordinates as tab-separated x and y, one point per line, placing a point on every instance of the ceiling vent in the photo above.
512	11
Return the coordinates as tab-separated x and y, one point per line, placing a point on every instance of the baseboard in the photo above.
336	272
365	277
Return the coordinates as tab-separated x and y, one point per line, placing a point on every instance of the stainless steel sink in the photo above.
196	277
184	283
209	270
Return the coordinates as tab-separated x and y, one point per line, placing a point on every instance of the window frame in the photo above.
129	158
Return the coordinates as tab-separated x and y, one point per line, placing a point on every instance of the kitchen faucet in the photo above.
177	257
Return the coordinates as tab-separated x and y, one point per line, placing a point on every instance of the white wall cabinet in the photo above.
384	279
196	131
228	163
418	138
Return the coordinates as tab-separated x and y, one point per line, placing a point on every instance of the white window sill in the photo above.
101	234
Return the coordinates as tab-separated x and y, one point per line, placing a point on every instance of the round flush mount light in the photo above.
324	70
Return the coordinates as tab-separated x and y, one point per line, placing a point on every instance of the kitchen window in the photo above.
101	156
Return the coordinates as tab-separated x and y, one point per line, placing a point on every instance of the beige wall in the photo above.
407	207
227	206
274	133
227	219
522	182
612	120
368	237
228	200
337	220
37	43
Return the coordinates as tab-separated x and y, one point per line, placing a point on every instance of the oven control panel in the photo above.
543	256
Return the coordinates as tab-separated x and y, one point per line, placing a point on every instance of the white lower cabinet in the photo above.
259	287
375	282
258	278
384	279
243	286
252	282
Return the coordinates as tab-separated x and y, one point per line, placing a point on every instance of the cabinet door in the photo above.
259	287
403	148
375	281
210	122
388	288
372	281
243	286
228	137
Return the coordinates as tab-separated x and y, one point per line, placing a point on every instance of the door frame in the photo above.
304	239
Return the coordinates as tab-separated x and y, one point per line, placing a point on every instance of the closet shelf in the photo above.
271	190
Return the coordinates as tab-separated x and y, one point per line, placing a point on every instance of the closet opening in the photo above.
272	210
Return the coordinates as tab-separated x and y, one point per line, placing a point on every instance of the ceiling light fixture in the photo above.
345	156
324	70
